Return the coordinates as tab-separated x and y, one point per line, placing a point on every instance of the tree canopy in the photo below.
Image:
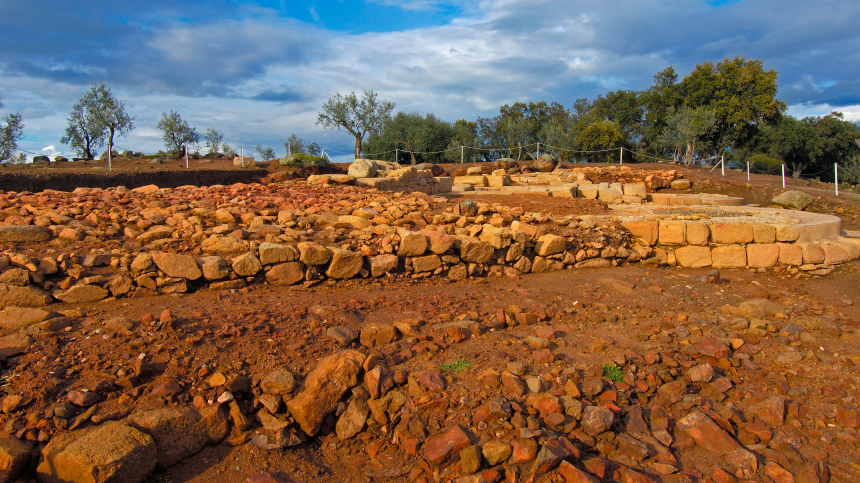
176	132
11	131
357	116
104	110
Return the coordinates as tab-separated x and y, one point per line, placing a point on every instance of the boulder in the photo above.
177	433
14	318
81	294
313	253
288	273
362	168
112	452
344	263
224	246
178	266
213	267
280	382
793	200
382	264
324	386
246	265
16	235
272	253
14	455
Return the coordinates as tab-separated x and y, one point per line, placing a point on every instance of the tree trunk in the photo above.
688	158
412	157
357	147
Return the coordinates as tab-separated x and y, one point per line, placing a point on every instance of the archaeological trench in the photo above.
93	246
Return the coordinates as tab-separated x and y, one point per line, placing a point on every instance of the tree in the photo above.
11	132
176	133
103	109
298	145
464	134
598	139
214	140
84	133
659	101
559	136
358	117
266	154
412	133
741	93
685	128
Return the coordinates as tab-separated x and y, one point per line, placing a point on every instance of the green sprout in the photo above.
456	366
613	372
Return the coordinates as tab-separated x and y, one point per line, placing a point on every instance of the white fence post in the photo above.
748	171
621	159
186	157
110	148
783	176
836	177
538	153
723	164
462	154
396	155
242	155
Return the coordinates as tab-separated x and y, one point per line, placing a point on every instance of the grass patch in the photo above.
613	372
455	367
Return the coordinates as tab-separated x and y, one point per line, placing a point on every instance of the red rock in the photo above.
545	403
847	418
442	447
550	456
701	373
771	410
714	348
777	473
432	380
716	440
514	385
324	386
83	398
263	477
524	450
627	475
599	467
572	474
722	476
597	419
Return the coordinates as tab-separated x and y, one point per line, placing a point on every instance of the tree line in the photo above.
725	109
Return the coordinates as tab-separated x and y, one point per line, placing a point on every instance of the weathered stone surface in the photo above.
176	265
442	447
793	200
155	233
426	263
681	184
177	433
496	451
15	276
272	253
352	420
597	419
14	318
790	254
771	410
224	246
439	242
762	255
713	438
343	335
693	256
14	456
313	253
344	263
111	452
729	256
324	386
246	265
647	231
288	273
697	233
20	234
412	244
79	294
213	267
13	296
672	232
474	250
549	245
382	264
280	382
14	344
728	233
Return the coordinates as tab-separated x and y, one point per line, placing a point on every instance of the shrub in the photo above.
850	171
301	160
763	163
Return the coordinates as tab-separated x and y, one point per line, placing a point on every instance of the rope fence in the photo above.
750	168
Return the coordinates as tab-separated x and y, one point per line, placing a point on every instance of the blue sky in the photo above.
258	71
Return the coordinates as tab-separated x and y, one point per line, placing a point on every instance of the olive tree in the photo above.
214	140
357	116
83	133
105	112
11	131
176	132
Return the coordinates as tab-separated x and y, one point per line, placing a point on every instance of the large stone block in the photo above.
693	256
762	255
728	233
697	233
790	254
812	253
647	231
786	233
834	254
673	232
764	233
471	180
729	256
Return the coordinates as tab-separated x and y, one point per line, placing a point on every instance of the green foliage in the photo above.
455	367
761	162
302	160
850	171
213	139
411	134
599	136
105	113
464	133
83	133
357	117
613	372
266	153
176	133
685	128
11	132
298	145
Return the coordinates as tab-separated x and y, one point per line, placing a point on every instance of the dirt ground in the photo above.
591	317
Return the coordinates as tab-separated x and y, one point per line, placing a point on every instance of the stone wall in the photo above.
409	180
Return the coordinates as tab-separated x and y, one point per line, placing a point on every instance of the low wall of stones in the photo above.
409	180
813	245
